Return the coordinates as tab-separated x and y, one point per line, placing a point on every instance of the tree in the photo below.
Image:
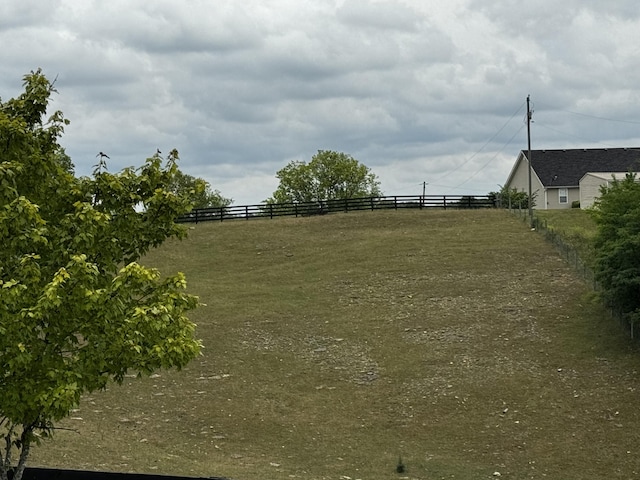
512	198
617	245
328	176
198	190
77	309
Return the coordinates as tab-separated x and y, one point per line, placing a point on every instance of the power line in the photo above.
516	133
555	130
632	122
491	159
451	187
578	137
483	146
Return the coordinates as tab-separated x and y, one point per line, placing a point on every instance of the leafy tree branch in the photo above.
78	309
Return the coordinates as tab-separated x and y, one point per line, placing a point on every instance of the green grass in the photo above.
575	226
457	339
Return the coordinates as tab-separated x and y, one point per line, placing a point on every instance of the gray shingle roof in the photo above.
565	168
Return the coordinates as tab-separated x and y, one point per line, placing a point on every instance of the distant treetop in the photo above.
328	176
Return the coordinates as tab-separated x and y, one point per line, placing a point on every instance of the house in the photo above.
591	183
562	177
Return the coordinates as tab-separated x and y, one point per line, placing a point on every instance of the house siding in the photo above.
591	183
520	181
590	189
552	197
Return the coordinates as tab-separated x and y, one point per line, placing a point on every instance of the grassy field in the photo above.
575	225
457	339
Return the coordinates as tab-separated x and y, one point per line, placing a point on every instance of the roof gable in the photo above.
565	168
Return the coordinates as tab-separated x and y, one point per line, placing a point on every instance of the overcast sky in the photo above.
418	90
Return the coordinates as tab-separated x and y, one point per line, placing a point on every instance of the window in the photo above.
563	195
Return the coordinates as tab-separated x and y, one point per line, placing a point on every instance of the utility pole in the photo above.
530	202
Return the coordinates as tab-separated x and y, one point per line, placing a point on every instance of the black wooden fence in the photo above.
270	210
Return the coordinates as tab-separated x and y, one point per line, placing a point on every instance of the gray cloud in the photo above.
378	15
419	91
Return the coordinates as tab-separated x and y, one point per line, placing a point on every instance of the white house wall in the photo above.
591	183
553	198
590	189
520	181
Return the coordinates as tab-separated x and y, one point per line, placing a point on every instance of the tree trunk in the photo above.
23	446
5	463
25	443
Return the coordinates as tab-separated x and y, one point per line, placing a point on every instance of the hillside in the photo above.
456	339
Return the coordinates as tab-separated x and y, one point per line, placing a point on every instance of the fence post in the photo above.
271	211
246	212
371	199
196	216
444	201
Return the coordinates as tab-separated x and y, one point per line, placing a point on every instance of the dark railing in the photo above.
270	210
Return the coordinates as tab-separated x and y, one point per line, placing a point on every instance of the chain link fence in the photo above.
574	259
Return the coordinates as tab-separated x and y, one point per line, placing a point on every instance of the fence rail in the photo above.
271	210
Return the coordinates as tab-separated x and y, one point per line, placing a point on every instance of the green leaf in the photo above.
78	310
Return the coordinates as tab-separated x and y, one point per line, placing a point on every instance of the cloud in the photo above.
17	15
432	91
377	15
